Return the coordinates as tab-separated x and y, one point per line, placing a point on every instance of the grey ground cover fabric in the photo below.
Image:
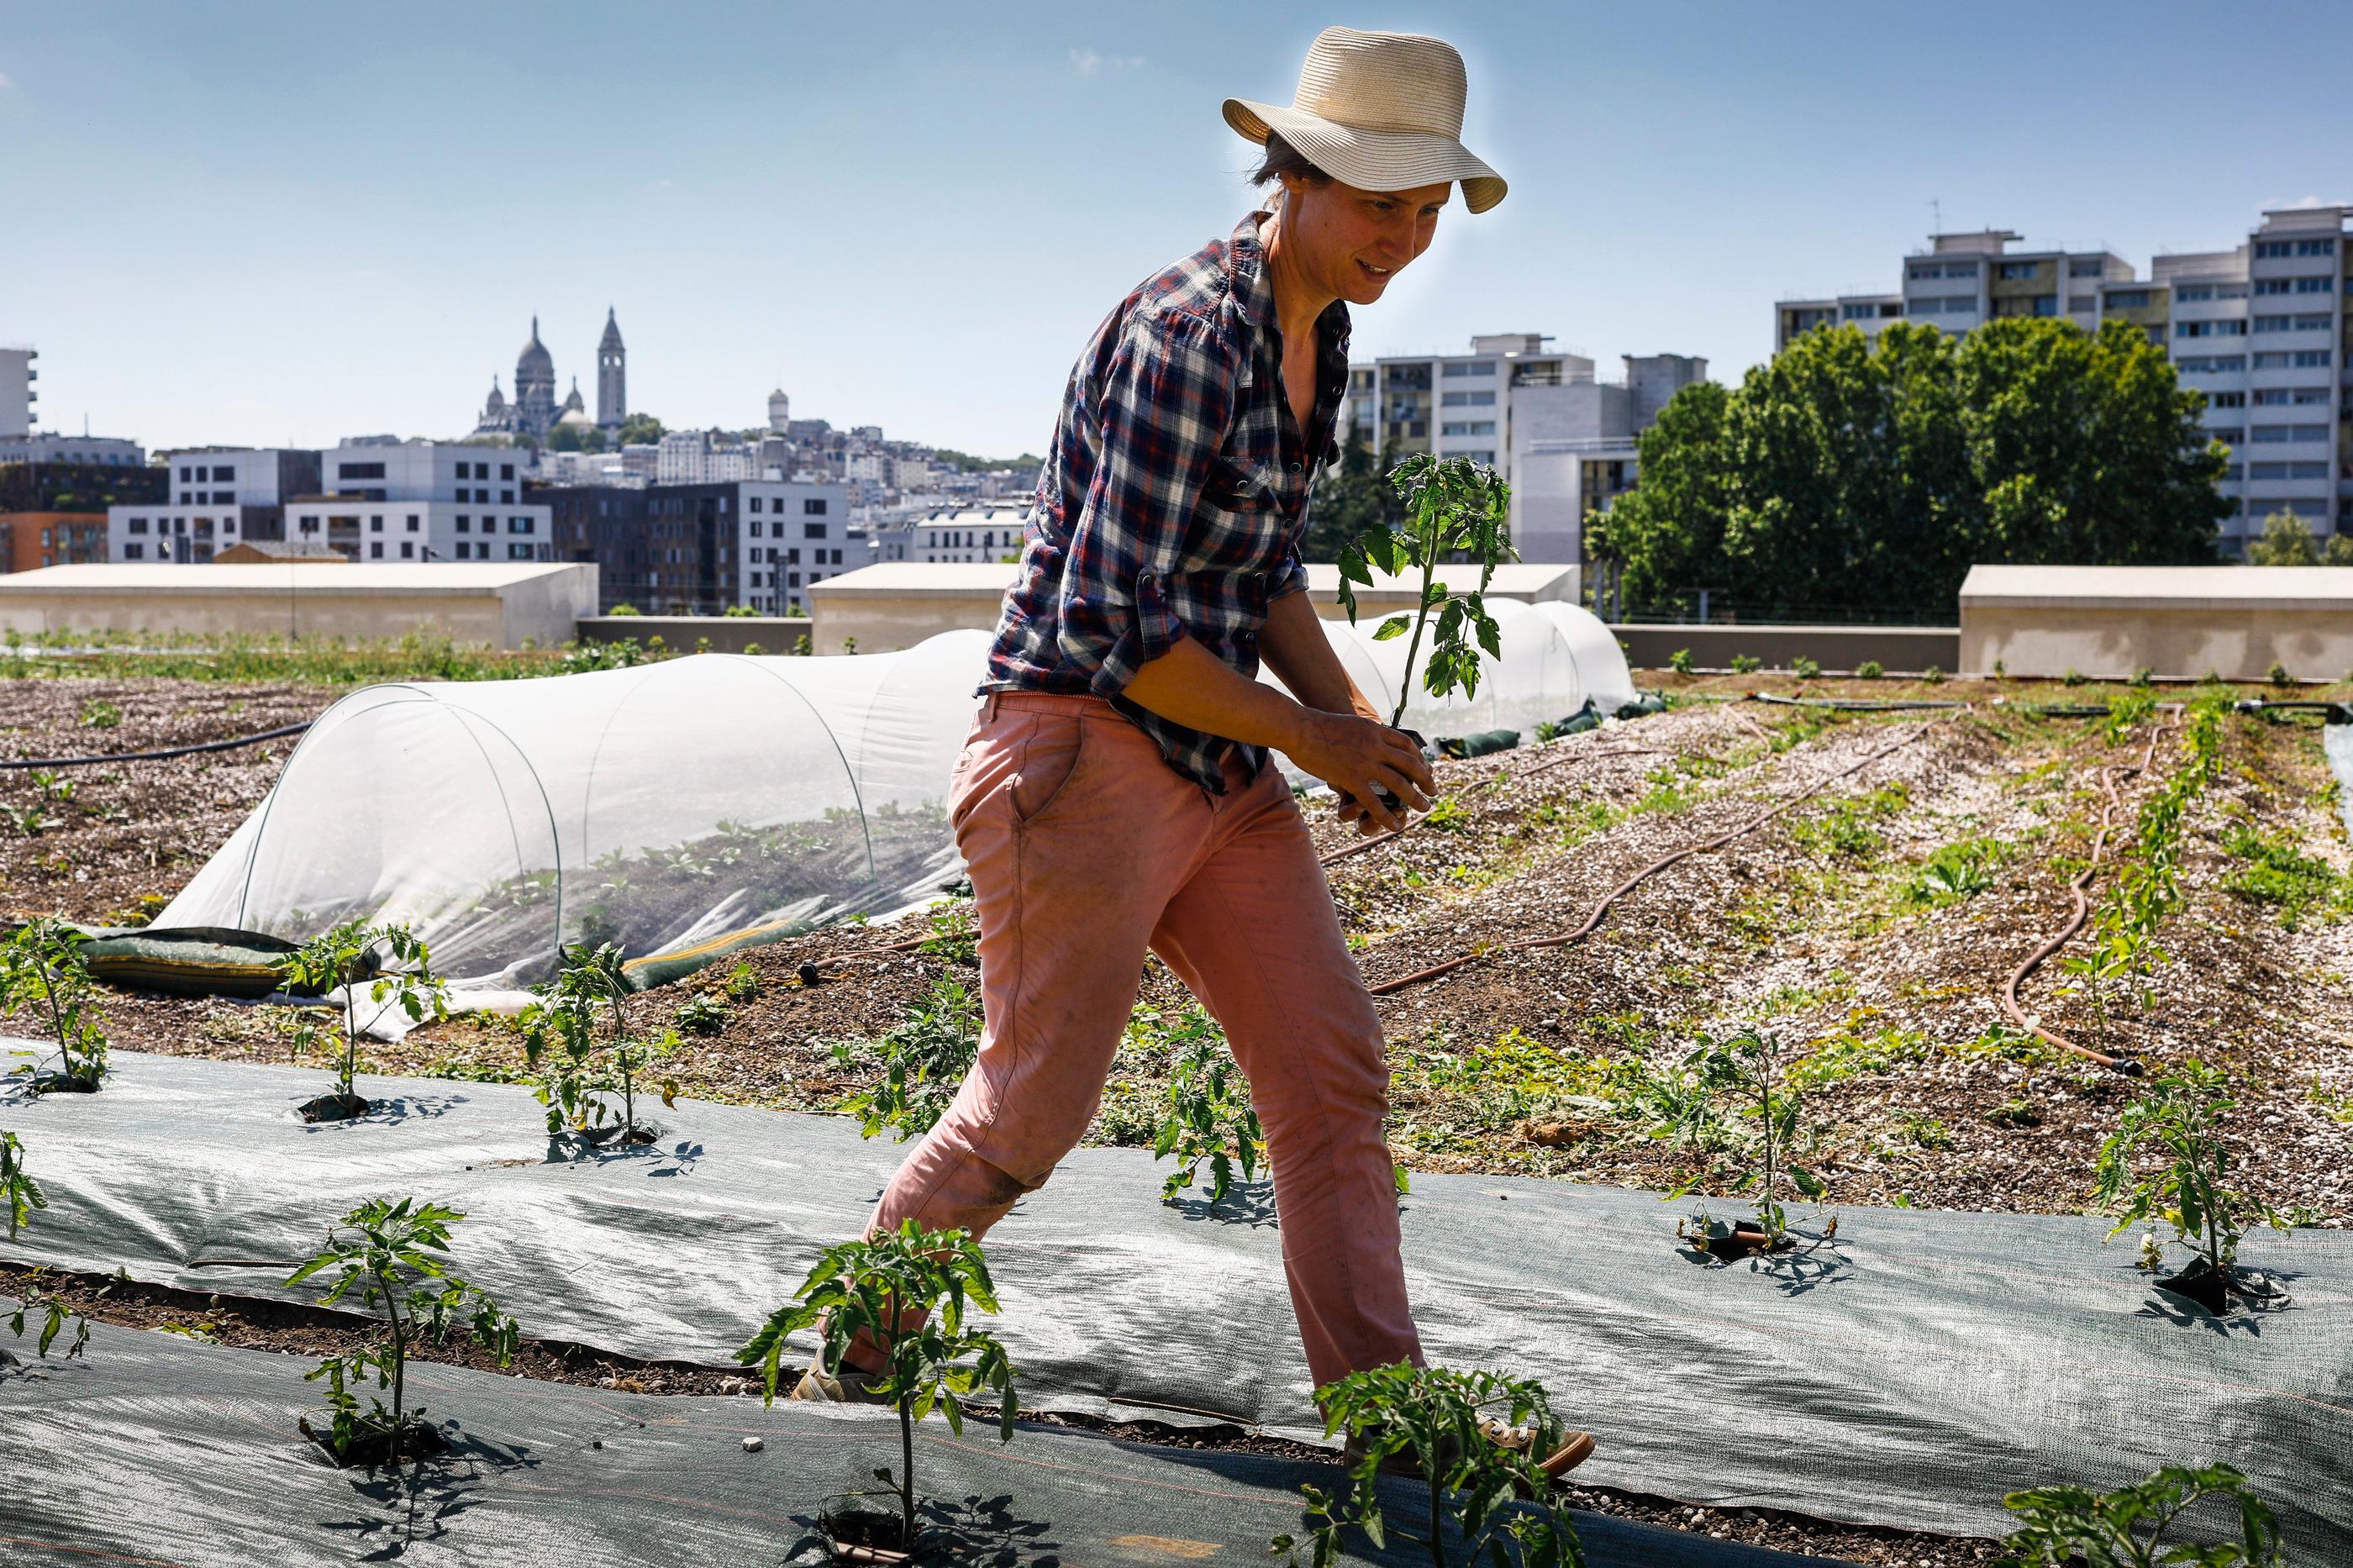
1907	1376
161	1451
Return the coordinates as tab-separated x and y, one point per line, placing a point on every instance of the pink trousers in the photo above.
1086	849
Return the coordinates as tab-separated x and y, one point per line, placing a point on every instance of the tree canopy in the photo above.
1845	476
2287	541
640	430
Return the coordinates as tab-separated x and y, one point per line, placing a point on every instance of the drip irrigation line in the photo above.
2078	889
1859	704
229	745
1601	910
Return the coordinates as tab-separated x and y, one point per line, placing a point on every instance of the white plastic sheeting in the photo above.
680	807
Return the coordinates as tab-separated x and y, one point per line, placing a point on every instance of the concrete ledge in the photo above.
728	634
1899	650
2179	622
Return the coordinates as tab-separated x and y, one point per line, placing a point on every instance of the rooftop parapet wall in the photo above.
2176	622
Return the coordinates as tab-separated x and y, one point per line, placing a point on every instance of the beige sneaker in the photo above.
847	1386
1573	1450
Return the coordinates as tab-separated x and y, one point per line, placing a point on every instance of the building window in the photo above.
506	471
134	553
2210	329
2271	286
520	525
2014	271
812	531
2230	399
2230	437
138	525
359	470
2185	292
376	525
465	523
1472	368
2316	247
814	506
375	549
2265	249
1467	399
2083	267
2129	298
412	523
755	507
793	558
518	552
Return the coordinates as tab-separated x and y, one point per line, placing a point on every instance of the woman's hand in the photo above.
1359	758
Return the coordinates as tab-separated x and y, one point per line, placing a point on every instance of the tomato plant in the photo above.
18	1191
2178	1119
2125	1527
391	1252
53	1312
1209	1117
561	1037
924	1060
338	959
1453	507
42	972
1443	1424
1749	1066
881	1287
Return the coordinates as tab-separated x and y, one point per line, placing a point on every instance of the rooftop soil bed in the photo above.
315	1332
1807	925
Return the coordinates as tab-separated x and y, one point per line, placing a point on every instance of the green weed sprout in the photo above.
879	1286
338	959
42	972
560	1039
1870	670
393	1253
2177	1118
703	1013
924	1060
1210	1117
1441	1420
17	1189
1680	661
1747	664
2125	1527
1453	504
53	1311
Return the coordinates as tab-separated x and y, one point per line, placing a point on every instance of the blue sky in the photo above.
265	222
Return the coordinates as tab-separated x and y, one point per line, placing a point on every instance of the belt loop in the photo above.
988	708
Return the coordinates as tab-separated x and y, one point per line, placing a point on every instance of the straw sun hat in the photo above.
1382	111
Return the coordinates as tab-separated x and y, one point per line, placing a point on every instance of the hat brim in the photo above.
1371	159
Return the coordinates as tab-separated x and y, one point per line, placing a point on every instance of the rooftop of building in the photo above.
350	577
2238	588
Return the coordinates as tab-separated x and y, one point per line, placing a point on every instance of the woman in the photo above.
1116	795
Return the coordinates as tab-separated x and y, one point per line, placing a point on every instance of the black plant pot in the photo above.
374	1448
2200	1282
333	1107
1387	798
865	1535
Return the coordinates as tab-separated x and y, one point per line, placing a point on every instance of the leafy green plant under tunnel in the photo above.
2062	1526
337	961
1440	1426
391	1254
906	1293
42	974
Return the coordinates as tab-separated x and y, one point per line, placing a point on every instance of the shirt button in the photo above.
1296	467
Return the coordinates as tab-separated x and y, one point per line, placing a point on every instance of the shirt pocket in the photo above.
1242	524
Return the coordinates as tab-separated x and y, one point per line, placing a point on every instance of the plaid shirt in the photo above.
1174	493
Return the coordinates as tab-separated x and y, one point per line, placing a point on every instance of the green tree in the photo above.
1352	497
1852	475
563	438
2286	542
640	430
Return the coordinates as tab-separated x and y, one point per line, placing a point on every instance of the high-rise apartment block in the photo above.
17	394
2261	330
1562	438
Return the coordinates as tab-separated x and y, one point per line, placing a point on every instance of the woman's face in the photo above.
1349	243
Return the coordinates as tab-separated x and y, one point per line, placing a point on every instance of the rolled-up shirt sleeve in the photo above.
1288	578
1167	398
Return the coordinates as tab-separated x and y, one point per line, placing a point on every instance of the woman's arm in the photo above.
1190	685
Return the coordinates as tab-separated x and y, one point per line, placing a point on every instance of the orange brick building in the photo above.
31	539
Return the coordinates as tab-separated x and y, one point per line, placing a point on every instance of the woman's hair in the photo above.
1282	158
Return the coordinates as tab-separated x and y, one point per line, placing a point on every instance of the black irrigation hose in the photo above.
157	756
2337	712
1857	704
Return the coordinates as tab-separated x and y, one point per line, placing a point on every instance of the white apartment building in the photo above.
969	533
17	394
218	497
789	536
2261	329
697	457
48	447
422	501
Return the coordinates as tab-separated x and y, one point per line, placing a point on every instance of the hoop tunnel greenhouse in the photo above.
685	808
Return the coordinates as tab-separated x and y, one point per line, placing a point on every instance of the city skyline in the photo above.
254	227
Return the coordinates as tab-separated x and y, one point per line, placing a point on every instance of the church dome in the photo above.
572	403
535	364
497	399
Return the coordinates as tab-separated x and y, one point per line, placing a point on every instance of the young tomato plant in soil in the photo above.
337	961
1750	1064
561	1038
2061	1526
879	1287
1452	505
393	1253
1442	1426
18	1192
924	1060
1209	1118
2177	1120
42	974
53	1312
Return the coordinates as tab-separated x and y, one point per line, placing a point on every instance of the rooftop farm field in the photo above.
1616	958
